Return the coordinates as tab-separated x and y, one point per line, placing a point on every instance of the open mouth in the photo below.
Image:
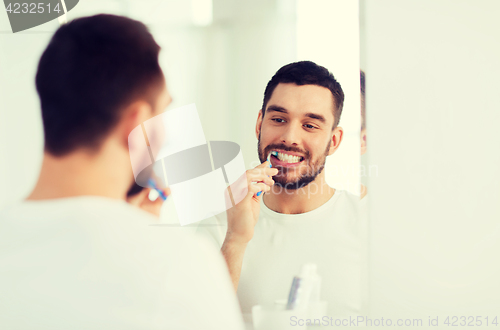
286	159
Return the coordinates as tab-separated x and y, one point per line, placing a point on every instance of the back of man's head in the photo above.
91	70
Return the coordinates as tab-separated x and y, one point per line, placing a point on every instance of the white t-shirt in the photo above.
97	263
333	236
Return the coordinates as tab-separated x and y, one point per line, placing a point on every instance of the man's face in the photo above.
298	125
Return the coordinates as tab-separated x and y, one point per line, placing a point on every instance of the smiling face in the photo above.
297	123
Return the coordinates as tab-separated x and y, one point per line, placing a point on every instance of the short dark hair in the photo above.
92	68
363	106
307	73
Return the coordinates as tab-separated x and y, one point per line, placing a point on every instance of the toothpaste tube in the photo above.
305	288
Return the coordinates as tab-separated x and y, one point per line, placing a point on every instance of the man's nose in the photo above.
290	136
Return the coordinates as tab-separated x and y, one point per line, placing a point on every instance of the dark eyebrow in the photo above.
316	116
276	108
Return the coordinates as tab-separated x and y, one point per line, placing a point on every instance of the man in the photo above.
75	255
300	218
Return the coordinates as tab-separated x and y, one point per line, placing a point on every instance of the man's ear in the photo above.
134	115
337	135
363	141
258	125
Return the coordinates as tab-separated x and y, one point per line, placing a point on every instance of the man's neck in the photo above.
82	174
300	200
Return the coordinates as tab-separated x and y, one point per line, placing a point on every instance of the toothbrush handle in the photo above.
260	192
162	195
158	190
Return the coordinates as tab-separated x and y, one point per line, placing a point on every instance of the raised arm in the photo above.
242	218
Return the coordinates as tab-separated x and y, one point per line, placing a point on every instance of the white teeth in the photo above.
288	158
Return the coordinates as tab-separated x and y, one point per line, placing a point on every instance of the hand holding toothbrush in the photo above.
143	200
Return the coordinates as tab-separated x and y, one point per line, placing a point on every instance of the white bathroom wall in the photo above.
432	117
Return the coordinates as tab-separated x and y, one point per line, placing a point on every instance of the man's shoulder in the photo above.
346	206
98	225
347	194
91	215
75	206
346	198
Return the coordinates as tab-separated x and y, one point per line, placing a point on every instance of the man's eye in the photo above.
309	126
278	120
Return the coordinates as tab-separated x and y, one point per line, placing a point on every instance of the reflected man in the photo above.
300	218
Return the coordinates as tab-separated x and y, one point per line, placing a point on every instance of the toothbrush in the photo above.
274	153
155	187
